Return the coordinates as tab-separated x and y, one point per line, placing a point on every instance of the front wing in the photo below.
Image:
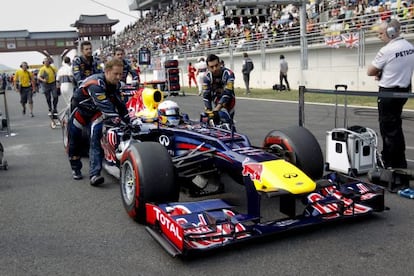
185	227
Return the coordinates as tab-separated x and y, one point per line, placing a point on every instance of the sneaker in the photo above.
77	175
31	115
49	113
24	110
97	180
55	112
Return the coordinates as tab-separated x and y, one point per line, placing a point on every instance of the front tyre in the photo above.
147	175
298	146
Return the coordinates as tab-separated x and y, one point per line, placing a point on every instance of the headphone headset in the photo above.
390	31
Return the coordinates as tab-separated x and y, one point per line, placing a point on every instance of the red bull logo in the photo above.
252	169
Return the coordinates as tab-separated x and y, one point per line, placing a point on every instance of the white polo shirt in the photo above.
396	60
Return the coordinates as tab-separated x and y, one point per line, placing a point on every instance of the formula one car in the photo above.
155	163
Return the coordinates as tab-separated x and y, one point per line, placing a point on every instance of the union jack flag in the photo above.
351	39
333	41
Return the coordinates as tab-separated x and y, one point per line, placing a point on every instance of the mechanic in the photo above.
47	78
119	53
218	90
24	84
85	65
97	100
393	67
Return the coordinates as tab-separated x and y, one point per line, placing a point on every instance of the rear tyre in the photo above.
147	175
298	146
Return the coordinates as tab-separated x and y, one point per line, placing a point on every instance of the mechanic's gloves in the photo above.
214	115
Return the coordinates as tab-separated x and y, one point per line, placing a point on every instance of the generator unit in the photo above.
351	150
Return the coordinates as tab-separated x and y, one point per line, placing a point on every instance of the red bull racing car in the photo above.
155	163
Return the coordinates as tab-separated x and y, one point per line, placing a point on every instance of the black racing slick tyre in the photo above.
298	146
147	176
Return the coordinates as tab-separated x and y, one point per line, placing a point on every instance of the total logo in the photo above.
169	224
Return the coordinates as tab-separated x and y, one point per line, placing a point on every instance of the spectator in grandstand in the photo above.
65	80
218	90
135	66
119	53
47	77
247	68
24	84
191	70
86	64
201	67
393	67
283	73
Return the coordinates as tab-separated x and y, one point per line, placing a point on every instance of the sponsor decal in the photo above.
164	140
252	169
101	97
169	226
212	235
290	175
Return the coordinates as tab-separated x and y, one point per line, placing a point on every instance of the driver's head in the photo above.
169	113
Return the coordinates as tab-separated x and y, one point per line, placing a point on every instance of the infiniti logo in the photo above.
164	140
290	175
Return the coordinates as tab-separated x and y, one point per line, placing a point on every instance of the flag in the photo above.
333	41
351	39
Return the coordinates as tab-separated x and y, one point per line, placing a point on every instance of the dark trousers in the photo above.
246	79
51	94
390	124
283	77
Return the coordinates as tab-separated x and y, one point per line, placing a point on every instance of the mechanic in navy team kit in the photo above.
393	67
96	100
218	90
85	65
119	53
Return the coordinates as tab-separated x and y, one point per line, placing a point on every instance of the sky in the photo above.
56	15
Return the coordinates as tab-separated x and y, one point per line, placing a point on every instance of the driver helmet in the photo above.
169	113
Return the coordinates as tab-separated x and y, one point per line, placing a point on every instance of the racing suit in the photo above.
95	101
220	90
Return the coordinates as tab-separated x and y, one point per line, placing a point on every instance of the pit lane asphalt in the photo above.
53	225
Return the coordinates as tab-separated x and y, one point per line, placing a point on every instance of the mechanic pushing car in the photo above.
97	100
218	90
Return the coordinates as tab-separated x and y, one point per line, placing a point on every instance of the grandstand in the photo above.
189	29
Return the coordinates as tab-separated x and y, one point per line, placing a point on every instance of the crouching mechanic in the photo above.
218	90
97	100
